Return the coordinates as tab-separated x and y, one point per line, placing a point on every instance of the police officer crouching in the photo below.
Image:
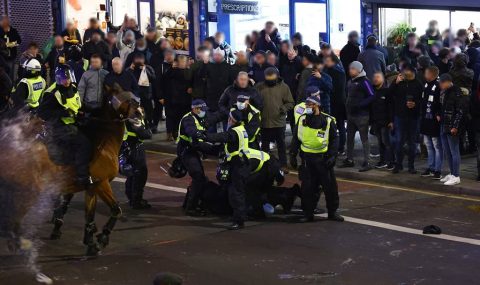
251	119
133	162
316	136
236	157
30	89
190	147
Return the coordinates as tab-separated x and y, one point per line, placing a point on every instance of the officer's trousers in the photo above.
135	184
317	174
192	162
239	172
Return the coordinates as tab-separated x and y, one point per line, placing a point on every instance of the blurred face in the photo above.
111	38
117	66
269	28
70	26
430	76
319	66
182	62
305	62
169	57
93	24
5	22
96	38
33	51
409	74
412	41
272	59
242	58
242	80
208	45
218	57
151	36
296	42
259	59
139	61
329	62
129	38
435	49
219	38
353	72
445	85
95	63
58	42
284	48
132	23
378	79
326	51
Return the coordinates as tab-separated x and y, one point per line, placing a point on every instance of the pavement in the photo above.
380	243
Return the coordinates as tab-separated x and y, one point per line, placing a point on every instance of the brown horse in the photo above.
27	172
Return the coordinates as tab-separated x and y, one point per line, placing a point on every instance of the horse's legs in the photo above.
106	194
90	227
58	215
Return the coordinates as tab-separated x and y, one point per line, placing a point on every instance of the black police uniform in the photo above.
134	150
318	167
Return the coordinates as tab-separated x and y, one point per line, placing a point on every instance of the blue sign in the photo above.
239	7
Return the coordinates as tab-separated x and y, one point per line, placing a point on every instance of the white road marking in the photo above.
347	219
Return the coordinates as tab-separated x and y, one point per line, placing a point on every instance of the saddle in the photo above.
60	153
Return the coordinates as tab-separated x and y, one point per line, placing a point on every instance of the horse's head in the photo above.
125	104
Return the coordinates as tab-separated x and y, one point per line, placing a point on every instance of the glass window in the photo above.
463	19
172	23
310	20
343	21
122	7
80	13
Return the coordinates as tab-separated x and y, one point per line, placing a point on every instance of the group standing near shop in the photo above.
238	106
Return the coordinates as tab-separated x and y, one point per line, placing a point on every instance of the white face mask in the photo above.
241	105
309	111
202	114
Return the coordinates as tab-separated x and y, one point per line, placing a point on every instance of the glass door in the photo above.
145	15
311	20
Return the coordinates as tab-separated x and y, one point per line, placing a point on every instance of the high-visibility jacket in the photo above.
242	148
252	112
198	125
259	155
314	140
36	87
131	134
72	105
298	111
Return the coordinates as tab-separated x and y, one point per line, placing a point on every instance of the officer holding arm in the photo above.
316	136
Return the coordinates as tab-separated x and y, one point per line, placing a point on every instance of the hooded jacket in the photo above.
360	95
277	101
454	109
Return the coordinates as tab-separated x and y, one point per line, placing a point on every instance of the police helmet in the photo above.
32	67
63	73
177	170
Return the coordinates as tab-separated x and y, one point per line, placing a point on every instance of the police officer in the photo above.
133	151
30	89
59	108
236	155
300	108
190	146
251	119
315	135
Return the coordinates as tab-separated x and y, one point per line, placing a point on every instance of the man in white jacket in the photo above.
125	43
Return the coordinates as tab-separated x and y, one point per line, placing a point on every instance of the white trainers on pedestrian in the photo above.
446	178
452	181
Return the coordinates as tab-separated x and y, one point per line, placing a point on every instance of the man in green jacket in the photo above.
278	100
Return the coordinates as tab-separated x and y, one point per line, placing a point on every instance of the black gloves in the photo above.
201	135
330	162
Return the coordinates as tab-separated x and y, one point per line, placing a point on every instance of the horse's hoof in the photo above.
55	235
103	240
92	250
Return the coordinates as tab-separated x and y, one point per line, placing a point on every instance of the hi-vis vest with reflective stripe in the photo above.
259	155
314	140
36	86
72	105
128	134
242	144
299	111
184	137
252	113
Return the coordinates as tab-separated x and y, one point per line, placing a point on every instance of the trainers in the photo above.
427	173
342	153
446	178
365	167
347	163
390	166
381	165
412	171
454	180
437	175
374	155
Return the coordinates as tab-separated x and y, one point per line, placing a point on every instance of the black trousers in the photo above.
135	184
147	104
191	161
317	174
276	135
157	113
175	114
239	172
69	136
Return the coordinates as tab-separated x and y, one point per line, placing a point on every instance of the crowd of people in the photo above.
425	96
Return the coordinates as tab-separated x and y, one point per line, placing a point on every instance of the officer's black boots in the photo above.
335	217
236	226
306	219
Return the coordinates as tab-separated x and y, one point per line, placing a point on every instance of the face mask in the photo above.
202	114
241	106
309	111
271	82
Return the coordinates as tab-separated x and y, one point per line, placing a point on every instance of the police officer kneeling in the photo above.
316	136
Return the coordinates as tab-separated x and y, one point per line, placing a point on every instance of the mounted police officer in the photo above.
251	119
30	89
133	161
236	149
190	148
315	135
59	108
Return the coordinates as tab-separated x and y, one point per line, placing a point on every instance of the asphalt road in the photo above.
380	243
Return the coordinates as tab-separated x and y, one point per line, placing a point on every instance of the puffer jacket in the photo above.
454	109
359	96
277	101
461	75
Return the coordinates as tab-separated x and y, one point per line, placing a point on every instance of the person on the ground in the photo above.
360	96
315	136
430	123
277	101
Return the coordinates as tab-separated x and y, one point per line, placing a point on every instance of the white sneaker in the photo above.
452	181
446	178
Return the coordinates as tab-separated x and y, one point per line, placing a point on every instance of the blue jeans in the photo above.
435	152
451	147
406	131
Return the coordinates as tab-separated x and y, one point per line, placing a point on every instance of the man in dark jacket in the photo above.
58	50
195	78
241	86
320	79
413	49
97	46
297	43
429	123
217	78
241	64
452	117
475	112
223	45
360	96
334	68
93	27
406	95
12	38
162	92
119	76
432	34
372	59
257	71
290	66
269	39
350	51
